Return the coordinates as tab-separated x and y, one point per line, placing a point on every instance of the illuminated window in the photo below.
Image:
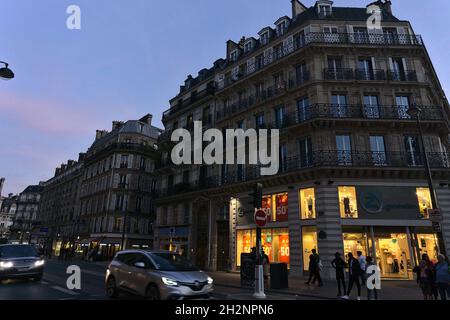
276	207
307	204
354	242
275	243
309	242
424	199
347	202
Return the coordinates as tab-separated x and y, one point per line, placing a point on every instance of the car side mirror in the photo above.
140	265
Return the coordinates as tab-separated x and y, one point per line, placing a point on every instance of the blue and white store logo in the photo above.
372	202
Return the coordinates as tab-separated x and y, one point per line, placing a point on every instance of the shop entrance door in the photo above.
393	256
223	245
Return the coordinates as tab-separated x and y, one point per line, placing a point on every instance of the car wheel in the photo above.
111	288
152	293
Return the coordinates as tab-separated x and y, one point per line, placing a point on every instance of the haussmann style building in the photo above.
352	174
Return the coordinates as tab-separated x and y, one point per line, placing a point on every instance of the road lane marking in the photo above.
65	290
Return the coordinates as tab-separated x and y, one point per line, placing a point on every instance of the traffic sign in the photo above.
436	226
435	214
260	218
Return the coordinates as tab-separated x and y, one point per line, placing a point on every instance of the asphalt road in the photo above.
53	285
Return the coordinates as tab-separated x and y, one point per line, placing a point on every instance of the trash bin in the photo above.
279	276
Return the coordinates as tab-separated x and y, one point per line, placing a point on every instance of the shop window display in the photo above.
354	242
347	202
276	207
275	243
428	244
309	242
424	199
393	256
307	204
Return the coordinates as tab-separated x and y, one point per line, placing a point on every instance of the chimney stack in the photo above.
117	124
2	181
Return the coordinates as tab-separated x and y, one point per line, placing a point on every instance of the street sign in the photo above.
435	214
260	218
436	226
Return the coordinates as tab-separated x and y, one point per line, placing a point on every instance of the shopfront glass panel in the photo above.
275	243
276	207
428	244
354	242
393	255
309	242
347	202
307	204
424	199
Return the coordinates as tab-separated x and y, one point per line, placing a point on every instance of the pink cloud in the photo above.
47	116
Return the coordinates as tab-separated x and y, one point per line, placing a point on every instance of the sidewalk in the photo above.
390	290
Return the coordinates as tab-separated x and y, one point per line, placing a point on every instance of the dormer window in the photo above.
234	55
265	37
324	8
248	46
281	27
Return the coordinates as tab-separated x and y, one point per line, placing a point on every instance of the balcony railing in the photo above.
318	159
320	38
339	74
334	111
374	75
408	75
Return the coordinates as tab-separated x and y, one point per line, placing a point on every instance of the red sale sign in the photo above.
282	207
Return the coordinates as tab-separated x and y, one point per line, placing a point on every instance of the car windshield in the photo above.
17	251
166	261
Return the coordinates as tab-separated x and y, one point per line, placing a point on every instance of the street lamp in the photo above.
415	112
5	72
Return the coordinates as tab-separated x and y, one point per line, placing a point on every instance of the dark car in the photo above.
20	261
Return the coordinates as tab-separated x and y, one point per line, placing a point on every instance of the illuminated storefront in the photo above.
348	203
424	200
276	207
275	243
307	200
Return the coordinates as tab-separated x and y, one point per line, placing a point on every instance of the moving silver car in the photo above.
20	261
156	275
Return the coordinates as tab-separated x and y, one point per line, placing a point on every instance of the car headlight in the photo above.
210	280
39	263
169	282
6	265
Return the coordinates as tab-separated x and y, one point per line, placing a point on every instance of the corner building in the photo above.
352	174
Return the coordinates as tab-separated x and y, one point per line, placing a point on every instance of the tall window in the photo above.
365	69
283	158
186	213
347	202
301	73
402	106
412	150
371	107
265	38
307	204
424	200
339	105
124	161
378	149
360	35
279	117
344	149
335	68
309	242
120	202
303	109
260	122
306	157
398	69
331	34
390	35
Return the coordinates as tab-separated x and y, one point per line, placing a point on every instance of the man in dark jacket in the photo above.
339	265
354	271
314	269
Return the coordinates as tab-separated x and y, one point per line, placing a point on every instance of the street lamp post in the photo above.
415	112
5	72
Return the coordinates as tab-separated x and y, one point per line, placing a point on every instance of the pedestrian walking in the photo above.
339	265
266	267
362	265
443	277
315	265
425	272
354	271
374	291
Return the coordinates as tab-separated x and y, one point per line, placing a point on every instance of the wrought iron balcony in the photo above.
339	74
246	70
408	75
317	159
374	75
319	111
